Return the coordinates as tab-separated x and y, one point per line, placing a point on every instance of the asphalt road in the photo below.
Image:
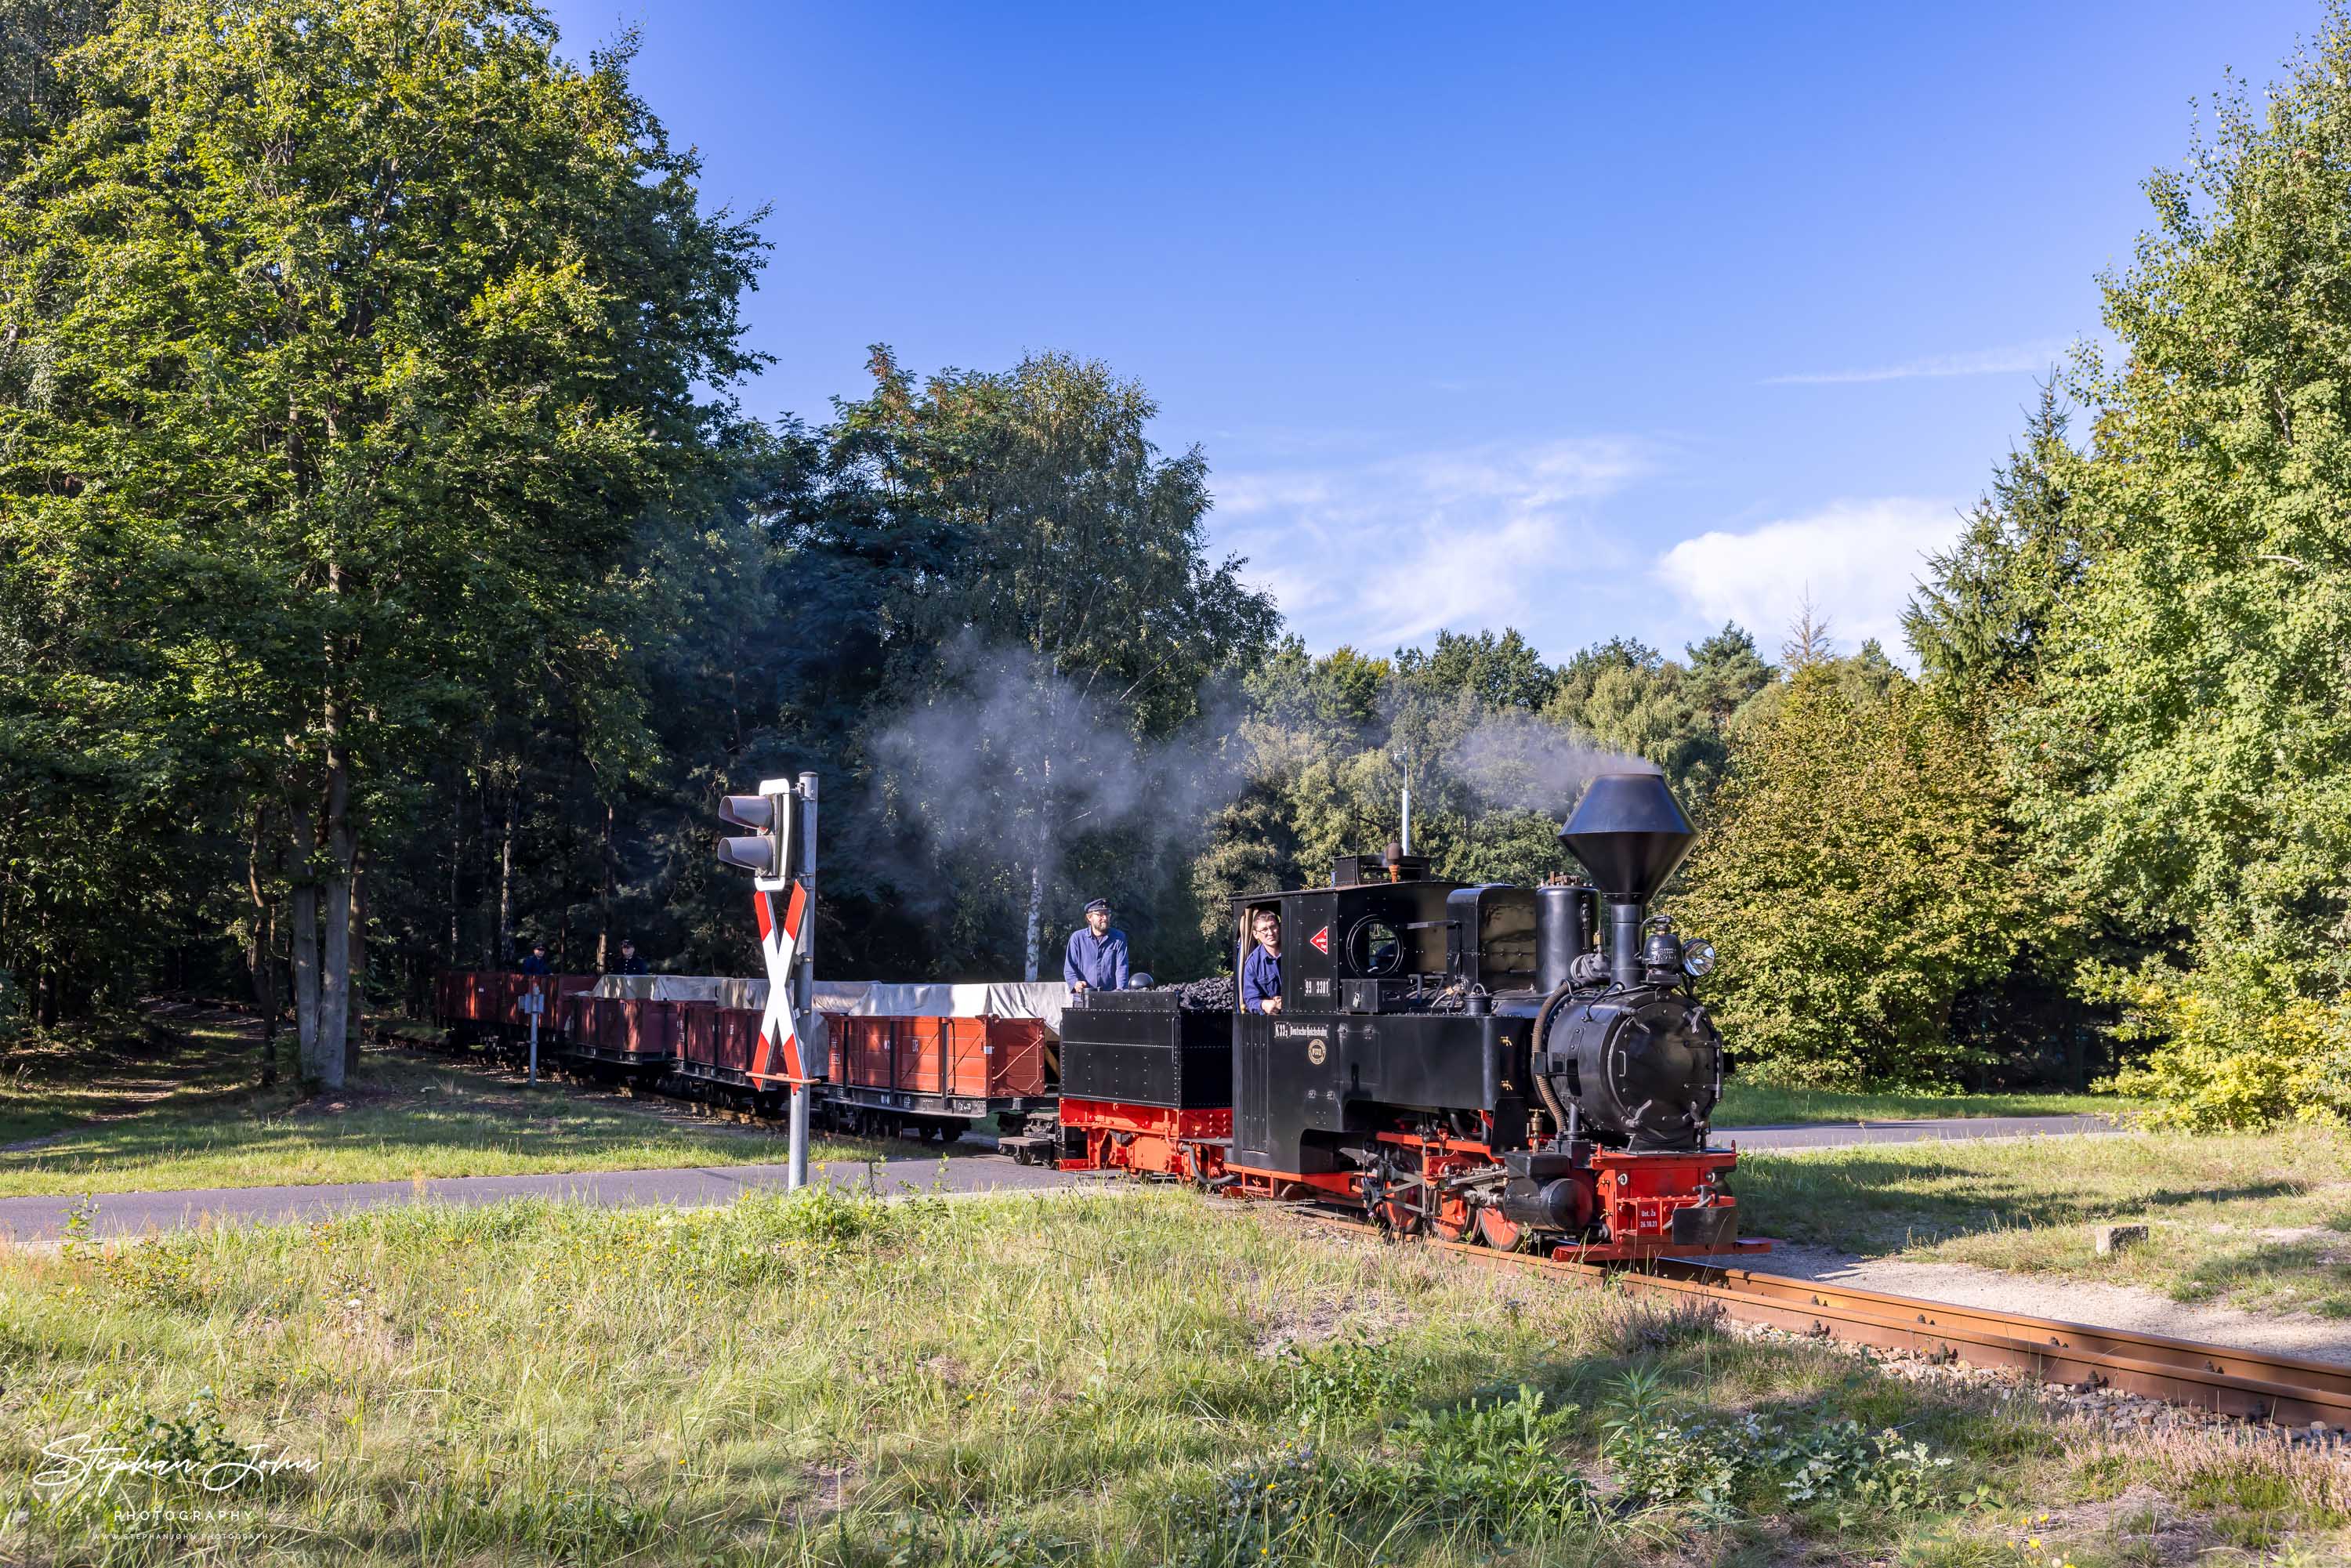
26	1219
1838	1134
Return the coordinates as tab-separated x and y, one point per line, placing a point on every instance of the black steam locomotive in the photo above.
1526	1066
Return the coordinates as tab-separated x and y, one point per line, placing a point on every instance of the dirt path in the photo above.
140	1082
2067	1301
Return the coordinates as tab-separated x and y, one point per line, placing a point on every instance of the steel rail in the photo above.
2247	1384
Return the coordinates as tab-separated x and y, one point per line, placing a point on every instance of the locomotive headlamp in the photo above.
1698	958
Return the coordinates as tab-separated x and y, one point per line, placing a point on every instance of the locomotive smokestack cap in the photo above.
1628	833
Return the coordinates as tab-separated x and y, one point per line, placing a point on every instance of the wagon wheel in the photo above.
1503	1234
1395	1211
1396	1215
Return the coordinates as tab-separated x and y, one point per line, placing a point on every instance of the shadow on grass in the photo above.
1877	1206
2300	1274
402	1116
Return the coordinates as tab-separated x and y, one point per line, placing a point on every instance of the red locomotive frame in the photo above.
1148	1140
1633	1195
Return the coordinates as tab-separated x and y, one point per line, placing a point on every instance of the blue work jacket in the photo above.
1260	979
1098	961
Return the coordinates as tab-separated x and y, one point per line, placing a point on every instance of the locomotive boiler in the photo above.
1529	1067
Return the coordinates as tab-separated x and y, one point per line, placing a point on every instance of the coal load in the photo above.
1216	994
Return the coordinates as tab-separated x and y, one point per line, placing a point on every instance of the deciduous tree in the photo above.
365	334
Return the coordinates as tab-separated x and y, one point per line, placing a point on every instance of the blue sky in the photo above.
1590	321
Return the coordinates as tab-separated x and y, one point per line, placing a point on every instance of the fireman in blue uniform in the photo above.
1095	960
1261	970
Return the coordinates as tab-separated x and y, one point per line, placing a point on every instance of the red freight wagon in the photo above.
935	1058
479	995
626	1033
938	1058
717	1042
514	987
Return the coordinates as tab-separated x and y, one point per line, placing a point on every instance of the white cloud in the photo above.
1858	560
1979	363
1388	552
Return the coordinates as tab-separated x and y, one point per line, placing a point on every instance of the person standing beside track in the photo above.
1261	970
1095	960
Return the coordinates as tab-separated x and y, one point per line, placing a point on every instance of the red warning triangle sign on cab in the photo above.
1321	940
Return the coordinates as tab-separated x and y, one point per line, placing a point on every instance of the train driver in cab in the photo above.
1261	970
1095	960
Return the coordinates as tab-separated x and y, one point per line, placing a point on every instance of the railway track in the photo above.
2255	1386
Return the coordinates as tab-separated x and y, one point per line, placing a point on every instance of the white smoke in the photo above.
1517	761
1011	761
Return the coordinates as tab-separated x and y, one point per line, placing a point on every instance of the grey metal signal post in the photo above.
780	854
804	981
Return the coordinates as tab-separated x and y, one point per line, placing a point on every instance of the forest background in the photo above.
389	579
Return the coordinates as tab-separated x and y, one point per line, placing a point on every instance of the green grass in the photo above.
2261	1222
1125	1379
190	1116
1746	1103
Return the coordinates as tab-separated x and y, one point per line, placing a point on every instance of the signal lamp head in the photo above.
755	811
756	854
766	852
1698	958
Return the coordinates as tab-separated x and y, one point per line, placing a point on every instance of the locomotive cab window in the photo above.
1375	949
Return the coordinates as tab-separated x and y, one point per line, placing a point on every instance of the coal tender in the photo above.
1527	1067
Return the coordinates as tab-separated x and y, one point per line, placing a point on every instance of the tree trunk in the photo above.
1036	912
357	994
263	949
505	881
265	989
306	945
457	861
604	943
335	954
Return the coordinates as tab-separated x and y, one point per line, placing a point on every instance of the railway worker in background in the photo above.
536	963
630	963
1095	960
1261	970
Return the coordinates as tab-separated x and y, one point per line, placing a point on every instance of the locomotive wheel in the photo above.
1501	1234
1453	1218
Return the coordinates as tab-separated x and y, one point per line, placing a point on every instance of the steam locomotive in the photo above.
1457	1061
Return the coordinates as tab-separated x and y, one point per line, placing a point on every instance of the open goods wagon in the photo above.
934	1060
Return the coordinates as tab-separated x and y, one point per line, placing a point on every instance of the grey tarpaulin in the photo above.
1040	1000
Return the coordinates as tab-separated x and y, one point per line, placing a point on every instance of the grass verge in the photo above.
1133	1379
1746	1103
2258	1221
181	1110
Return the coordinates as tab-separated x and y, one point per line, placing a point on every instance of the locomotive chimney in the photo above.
1630	835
